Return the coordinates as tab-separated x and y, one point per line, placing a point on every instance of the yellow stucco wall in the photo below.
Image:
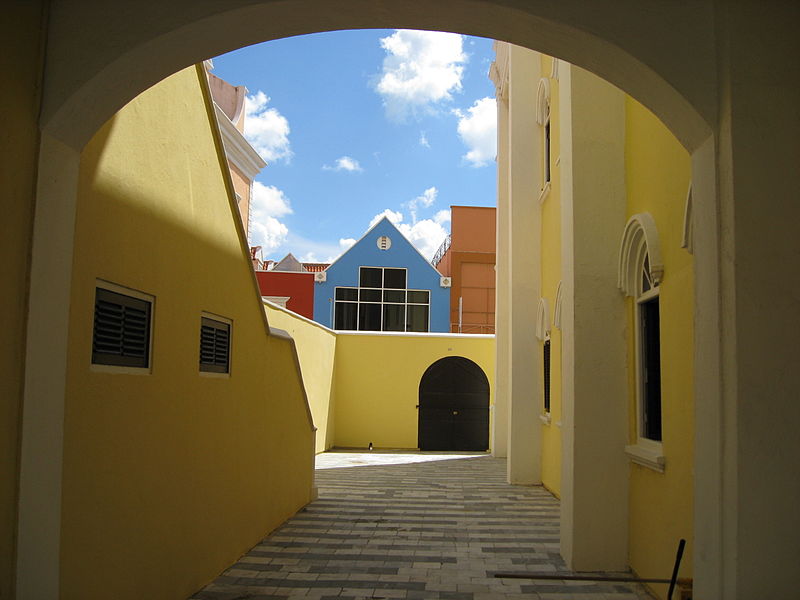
551	276
316	348
658	174
170	476
377	383
20	66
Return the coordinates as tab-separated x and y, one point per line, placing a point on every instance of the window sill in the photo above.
544	193
214	375
119	369
545	418
652	458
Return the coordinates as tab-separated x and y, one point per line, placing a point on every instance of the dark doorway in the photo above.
454	406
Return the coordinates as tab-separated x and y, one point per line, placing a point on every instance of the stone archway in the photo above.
679	61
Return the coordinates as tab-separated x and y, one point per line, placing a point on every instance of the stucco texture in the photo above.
169	476
551	278
657	179
316	349
377	383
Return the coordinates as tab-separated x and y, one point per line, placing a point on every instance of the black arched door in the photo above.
454	406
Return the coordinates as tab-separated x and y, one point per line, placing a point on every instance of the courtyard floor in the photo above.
412	525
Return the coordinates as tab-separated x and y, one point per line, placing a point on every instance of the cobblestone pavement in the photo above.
416	526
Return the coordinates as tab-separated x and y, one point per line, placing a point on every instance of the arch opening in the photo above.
87	85
454	406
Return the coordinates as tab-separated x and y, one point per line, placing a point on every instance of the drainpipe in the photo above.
460	307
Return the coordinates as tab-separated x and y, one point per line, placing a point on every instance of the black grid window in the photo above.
215	346
546	355
381	303
121	334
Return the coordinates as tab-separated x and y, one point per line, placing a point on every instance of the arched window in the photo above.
543	118
640	275
543	334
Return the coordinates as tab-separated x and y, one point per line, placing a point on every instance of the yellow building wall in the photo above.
19	104
170	476
551	276
657	178
377	383
316	349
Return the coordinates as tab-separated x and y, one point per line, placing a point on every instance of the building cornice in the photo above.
237	149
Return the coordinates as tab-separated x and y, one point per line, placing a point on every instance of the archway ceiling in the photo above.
101	55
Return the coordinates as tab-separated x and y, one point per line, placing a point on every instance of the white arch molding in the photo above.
557	308
543	101
640	237
542	320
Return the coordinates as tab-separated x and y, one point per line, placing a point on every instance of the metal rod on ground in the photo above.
674	578
571	577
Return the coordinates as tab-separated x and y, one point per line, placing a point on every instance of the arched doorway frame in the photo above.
456	362
81	91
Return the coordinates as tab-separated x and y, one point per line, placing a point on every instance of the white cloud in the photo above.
266	129
311	257
420	69
477	128
427	235
423	140
345	243
267	203
443	216
344	163
427	198
270	200
394	216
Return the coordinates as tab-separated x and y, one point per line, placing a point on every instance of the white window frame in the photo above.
640	241
646	452
405	304
543	112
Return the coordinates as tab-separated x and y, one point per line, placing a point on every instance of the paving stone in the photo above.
415	526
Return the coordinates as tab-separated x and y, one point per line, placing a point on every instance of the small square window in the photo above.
417	318
371	277
121	335
346	316
215	346
370	295
394	317
394	278
347	294
418	296
369	317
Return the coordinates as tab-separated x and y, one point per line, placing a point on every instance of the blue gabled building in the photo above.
382	283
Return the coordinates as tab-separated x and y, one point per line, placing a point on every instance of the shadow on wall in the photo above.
168	474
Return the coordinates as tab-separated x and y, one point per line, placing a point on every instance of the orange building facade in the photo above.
468	257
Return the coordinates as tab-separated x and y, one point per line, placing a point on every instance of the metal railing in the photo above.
437	258
472	328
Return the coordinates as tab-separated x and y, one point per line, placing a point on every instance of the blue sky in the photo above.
355	124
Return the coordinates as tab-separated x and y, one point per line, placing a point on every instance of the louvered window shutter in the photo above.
121	330
215	338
